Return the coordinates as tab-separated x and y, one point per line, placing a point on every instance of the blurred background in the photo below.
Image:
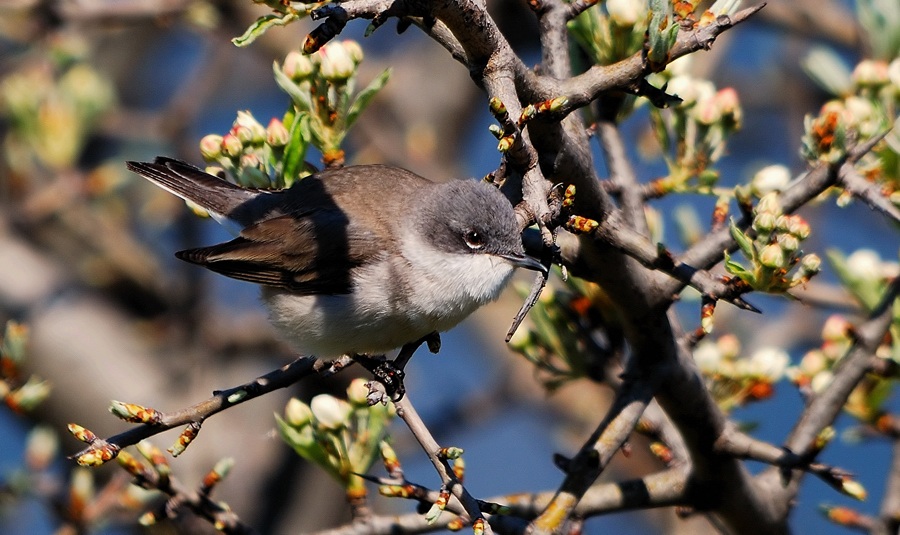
86	253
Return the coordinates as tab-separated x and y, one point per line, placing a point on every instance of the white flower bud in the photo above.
626	12
337	65
769	363
870	73
770	178
708	357
358	392
864	264
329	411
297	413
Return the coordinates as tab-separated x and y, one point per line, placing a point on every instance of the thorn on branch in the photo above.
657	96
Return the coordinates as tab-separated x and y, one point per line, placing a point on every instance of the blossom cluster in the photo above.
773	249
735	380
344	437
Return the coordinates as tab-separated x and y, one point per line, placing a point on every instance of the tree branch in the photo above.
102	450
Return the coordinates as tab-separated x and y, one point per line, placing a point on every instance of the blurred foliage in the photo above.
52	101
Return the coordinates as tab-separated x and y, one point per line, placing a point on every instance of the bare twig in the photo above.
107	449
408	414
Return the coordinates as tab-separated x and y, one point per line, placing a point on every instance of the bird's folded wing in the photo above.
310	253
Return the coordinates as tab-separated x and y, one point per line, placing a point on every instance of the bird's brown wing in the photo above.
307	253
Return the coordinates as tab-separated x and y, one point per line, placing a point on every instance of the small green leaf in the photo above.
300	97
738	270
365	96
742	240
295	150
304	443
262	25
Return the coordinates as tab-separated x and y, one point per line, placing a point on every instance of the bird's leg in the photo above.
433	339
390	373
384	372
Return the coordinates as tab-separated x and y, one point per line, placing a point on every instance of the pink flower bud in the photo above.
245	120
231	145
276	134
797	226
211	147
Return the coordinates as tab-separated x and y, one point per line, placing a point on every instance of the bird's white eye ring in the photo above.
474	239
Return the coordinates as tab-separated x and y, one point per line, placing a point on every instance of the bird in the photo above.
358	260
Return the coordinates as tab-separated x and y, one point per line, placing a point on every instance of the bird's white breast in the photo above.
395	300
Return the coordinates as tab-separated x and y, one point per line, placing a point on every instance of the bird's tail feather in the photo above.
215	195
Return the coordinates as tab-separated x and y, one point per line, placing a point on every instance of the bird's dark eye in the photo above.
474	239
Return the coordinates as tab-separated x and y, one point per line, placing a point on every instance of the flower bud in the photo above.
864	264
211	147
707	111
764	222
329	411
729	345
770	178
871	73
337	65
798	227
813	362
297	66
836	329
353	50
276	134
708	357
231	145
772	256
729	105
863	114
297	413
358	392
810	264
769	363
854	489
257	134
768	204
788	243
626	12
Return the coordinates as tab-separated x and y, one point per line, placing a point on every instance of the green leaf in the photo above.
365	96
300	97
738	270
295	150
742	240
262	25
304	443
661	33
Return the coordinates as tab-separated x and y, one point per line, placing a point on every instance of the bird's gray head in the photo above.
467	217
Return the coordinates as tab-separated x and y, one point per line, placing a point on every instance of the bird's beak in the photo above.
524	261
